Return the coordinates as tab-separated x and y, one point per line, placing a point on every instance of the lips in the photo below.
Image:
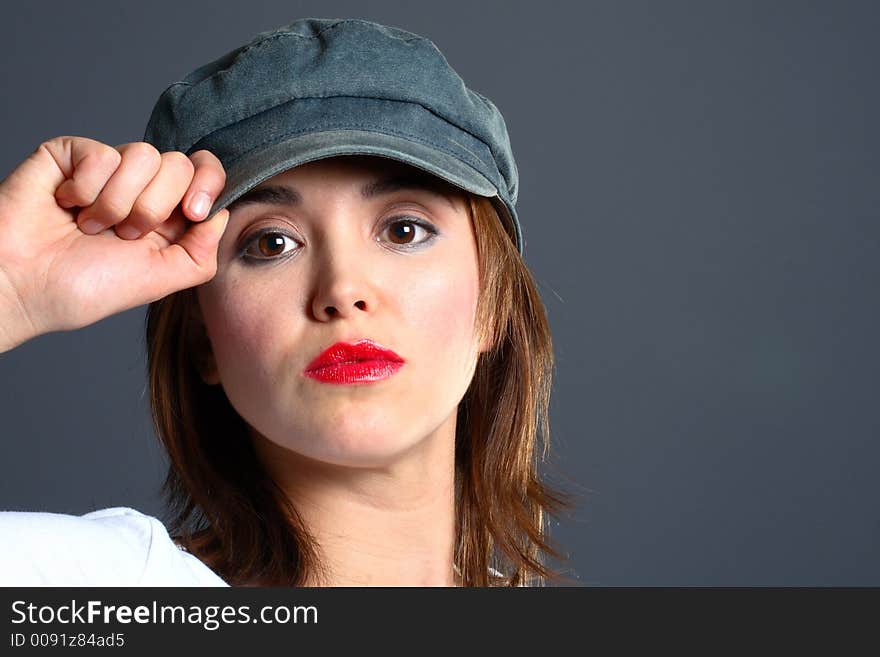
358	362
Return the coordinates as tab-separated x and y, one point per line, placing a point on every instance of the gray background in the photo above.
699	195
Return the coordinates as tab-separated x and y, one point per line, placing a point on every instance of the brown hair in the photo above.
227	510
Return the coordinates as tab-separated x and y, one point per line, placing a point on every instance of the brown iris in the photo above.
408	230
271	240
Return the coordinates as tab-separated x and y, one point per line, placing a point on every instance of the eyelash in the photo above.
269	230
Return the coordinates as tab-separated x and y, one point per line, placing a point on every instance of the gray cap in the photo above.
321	87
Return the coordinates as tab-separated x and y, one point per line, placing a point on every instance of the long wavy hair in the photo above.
225	509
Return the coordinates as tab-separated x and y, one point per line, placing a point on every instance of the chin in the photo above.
342	446
361	451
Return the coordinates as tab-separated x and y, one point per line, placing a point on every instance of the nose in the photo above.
342	287
341	309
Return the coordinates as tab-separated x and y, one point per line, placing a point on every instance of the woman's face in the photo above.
346	257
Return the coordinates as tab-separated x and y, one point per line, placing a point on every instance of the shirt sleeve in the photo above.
118	546
109	547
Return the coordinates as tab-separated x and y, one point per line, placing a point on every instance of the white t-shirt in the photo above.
118	546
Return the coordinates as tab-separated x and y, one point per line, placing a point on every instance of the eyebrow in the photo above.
287	195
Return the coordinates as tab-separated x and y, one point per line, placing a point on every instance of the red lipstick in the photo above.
363	361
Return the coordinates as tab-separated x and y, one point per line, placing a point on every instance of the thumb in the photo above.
197	249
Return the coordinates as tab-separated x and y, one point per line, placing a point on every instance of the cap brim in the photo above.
253	168
259	165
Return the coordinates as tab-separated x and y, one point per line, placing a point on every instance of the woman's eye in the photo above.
266	245
402	231
406	232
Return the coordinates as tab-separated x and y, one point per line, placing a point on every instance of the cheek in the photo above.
240	328
442	309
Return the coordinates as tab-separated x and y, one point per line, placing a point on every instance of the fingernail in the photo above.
200	204
91	226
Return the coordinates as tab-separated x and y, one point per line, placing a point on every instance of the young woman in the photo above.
349	362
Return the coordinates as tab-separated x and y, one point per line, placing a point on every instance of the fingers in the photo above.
140	163
198	179
133	187
85	166
207	183
156	203
199	175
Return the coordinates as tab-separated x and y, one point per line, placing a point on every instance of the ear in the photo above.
200	346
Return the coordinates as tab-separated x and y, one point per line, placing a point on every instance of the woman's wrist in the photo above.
15	325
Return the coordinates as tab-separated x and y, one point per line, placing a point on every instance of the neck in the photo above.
392	525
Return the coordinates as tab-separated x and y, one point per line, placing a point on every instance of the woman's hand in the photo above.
88	230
